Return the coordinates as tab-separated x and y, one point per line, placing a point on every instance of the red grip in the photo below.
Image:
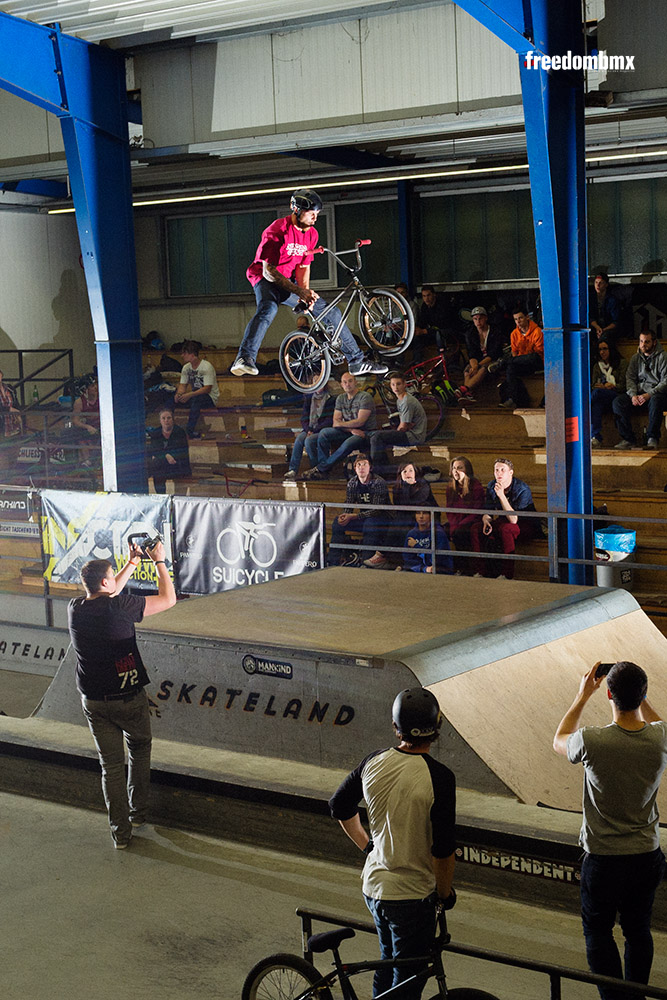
363	243
318	250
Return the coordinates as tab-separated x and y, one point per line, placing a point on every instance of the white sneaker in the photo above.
652	443
244	366
290	475
368	367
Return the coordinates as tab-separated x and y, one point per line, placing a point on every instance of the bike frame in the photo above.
354	288
345	970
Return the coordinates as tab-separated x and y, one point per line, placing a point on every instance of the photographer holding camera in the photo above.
623	864
111	677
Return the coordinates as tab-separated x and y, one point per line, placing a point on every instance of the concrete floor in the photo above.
181	915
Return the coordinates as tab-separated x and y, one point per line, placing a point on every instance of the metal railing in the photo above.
555	973
36	376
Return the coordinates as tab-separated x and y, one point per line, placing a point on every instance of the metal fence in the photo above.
556	974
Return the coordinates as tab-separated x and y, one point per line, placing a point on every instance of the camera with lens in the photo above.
144	541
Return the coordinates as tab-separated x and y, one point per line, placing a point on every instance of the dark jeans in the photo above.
379	441
406	928
196	405
623	884
623	407
462	540
373	534
602	401
523	364
334	443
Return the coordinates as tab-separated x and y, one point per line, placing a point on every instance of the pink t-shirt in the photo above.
284	246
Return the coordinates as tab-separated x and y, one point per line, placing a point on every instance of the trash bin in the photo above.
613	544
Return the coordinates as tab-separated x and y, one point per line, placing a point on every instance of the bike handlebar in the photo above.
363	243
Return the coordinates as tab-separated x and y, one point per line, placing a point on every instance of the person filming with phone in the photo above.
623	864
111	678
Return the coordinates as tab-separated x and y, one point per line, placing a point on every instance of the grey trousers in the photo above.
114	724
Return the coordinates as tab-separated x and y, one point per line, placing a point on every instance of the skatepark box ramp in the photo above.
306	669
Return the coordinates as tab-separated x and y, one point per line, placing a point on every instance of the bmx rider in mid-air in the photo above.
284	253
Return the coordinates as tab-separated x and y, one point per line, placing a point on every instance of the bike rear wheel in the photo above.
282	977
305	365
435	413
386	322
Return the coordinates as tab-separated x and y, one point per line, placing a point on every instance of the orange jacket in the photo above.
528	343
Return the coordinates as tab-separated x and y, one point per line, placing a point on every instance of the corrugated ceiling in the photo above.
133	22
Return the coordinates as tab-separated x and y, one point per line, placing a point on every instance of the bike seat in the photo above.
329	940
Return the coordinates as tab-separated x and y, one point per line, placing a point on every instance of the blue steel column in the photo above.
84	85
405	232
554	115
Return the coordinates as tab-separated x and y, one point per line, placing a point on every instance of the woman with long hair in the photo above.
409	490
607	382
466	493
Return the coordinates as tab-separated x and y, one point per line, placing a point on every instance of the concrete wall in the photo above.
43	298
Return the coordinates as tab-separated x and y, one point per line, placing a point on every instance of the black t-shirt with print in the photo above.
105	643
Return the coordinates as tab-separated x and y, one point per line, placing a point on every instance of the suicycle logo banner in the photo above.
225	544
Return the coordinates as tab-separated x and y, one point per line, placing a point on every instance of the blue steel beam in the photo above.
554	116
41	188
84	85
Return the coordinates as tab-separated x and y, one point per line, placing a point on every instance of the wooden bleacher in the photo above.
245	450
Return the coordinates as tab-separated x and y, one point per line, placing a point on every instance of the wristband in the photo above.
369	847
133	563
160	562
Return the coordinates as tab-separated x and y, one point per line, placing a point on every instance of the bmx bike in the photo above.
290	977
385	321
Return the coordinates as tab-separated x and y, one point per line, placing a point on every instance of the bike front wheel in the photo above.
305	365
386	322
283	977
435	413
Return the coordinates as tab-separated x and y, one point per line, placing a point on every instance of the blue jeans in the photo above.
373	535
602	401
333	443
113	724
623	884
310	443
268	297
406	928
623	407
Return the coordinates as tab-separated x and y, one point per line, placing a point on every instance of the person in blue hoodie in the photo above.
418	540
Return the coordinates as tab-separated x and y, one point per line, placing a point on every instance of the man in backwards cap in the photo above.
411	802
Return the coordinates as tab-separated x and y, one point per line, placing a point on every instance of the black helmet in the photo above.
416	713
305	200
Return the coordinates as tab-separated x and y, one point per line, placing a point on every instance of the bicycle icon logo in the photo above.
251	538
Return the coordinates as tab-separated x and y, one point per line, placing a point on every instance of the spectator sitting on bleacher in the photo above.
316	414
418	540
86	424
365	490
500	533
168	456
527	343
484	345
353	419
409	490
646	385
605	311
467	494
410	430
10	415
607	381
198	388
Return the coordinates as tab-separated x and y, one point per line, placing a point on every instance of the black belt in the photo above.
118	697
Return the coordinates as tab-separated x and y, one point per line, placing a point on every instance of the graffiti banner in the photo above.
77	527
224	544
